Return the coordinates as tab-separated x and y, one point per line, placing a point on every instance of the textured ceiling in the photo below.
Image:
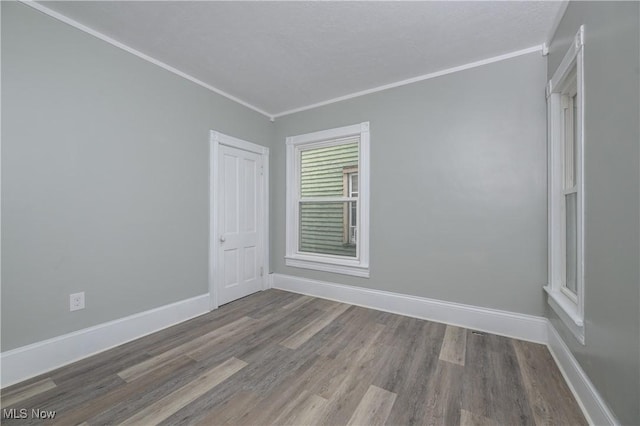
279	56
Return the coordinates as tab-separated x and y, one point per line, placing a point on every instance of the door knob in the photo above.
222	239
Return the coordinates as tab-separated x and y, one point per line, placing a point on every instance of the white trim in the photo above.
31	360
567	61
62	18
213	219
571	312
358	266
504	323
270	280
227	140
266	235
567	310
593	406
545	49
353	270
537	48
323	135
215	140
28	361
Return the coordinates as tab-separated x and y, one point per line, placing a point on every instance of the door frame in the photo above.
215	140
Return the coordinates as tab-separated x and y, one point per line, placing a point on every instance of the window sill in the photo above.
567	310
343	267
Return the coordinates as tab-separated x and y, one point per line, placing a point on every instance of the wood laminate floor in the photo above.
282	358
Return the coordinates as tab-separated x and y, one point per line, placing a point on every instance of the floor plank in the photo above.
119	394
229	412
467	418
374	407
303	410
165	407
444	395
493	386
549	396
454	345
410	369
282	358
304	334
20	394
136	371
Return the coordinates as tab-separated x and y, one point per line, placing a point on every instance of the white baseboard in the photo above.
269	283
510	324
519	326
593	406
28	361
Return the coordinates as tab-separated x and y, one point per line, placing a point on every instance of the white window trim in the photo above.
569	308
358	266
347	177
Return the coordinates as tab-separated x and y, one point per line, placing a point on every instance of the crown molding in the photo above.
62	18
537	48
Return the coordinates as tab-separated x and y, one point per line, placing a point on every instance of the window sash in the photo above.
317	235
565	102
337	264
353	193
564	287
569	164
353	216
346	199
326	199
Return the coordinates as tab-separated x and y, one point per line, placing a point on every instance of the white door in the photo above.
240	213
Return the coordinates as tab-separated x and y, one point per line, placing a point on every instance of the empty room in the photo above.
320	213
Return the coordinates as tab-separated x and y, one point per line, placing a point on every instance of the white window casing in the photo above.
565	109
358	265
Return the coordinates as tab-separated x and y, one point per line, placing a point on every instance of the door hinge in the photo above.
261	271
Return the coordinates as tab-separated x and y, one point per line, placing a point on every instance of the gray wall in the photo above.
104	178
105	181
458	178
611	356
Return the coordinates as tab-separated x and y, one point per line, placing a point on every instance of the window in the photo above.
350	214
327	200
565	101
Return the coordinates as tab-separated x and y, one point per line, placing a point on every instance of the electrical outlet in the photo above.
76	301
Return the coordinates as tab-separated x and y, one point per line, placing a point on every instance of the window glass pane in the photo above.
574	142
571	281
321	169
327	228
353	222
354	185
568	144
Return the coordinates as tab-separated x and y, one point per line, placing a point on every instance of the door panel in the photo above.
240	240
250	216
231	188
